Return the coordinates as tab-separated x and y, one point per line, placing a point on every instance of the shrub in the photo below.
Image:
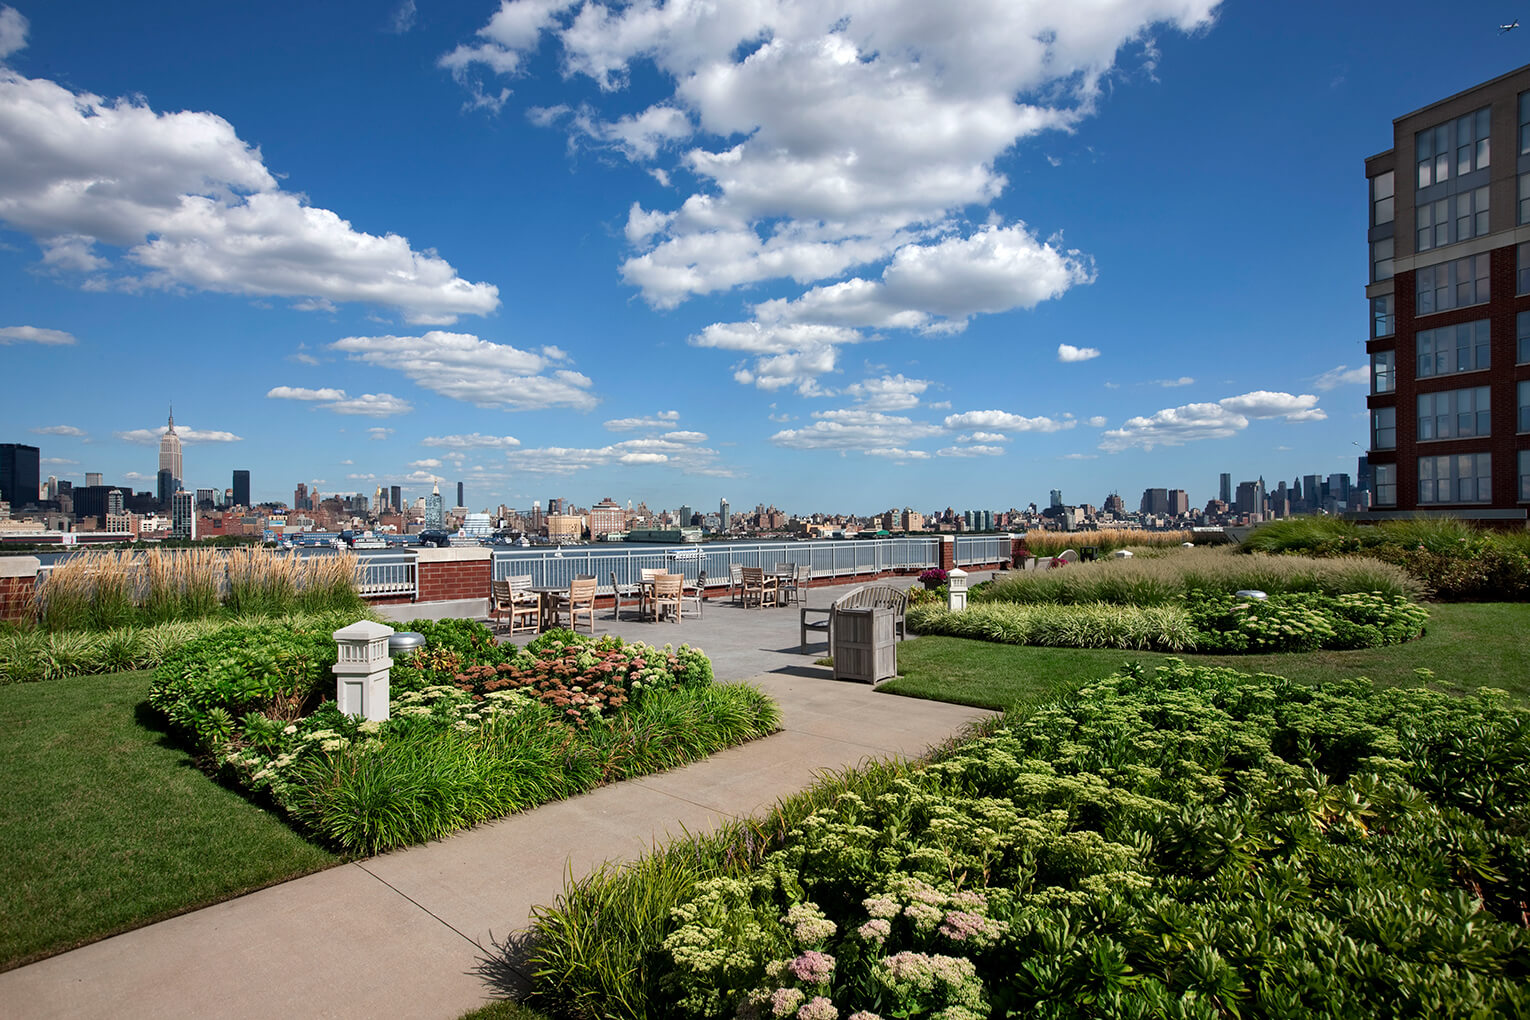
1187	842
1453	558
1050	543
1098	625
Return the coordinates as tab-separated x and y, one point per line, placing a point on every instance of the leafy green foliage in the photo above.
1455	559
1186	842
1099	625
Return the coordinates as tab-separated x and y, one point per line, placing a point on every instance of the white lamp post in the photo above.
361	670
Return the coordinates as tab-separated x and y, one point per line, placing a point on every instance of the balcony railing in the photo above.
389	573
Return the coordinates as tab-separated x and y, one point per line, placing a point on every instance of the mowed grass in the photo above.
106	825
1465	646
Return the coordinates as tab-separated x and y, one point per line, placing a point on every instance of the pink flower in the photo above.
813	967
818	1008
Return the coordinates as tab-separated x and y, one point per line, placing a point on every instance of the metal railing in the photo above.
972	549
389	573
835	558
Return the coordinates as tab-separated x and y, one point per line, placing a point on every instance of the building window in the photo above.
1454	284
1461	144
1524	198
1524	406
1457	478
1522	269
1384	428
1382	201
1384	484
1456	218
1384	315
1381	259
1452	349
1453	414
1524	123
1524	475
1383	372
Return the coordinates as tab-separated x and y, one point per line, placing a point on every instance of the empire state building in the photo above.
169	462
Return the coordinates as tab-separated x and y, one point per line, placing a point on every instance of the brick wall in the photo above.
18	583
447	575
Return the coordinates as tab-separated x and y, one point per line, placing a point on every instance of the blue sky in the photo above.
833	256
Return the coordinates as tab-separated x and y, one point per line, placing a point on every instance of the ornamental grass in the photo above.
1050	543
1160	580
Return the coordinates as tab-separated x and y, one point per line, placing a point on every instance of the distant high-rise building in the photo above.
1179	502
722	512
1057	498
1155	501
241	488
435	510
459	495
606	517
169	461
1249	498
204	499
51	489
396	497
1225	492
20	468
92	478
685	516
183	515
300	498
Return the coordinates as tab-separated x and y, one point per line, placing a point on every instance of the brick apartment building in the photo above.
1449	234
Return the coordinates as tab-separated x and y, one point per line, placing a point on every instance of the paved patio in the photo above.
430	931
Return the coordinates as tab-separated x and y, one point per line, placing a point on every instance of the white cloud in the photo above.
971	451
478	372
1081	456
823	137
379	432
1096	422
1069	353
472	441
1006	421
57	461
1169	384
661	420
59	430
1175	426
193	205
1343	375
982	437
897	453
402	19
429	462
644	458
684	436
859	429
372	405
33	334
889	393
681	453
13	31
189	436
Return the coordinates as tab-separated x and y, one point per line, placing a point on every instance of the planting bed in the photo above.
476	730
1186	842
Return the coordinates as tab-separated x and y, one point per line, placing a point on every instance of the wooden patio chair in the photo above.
758	587
736	583
581	602
623	591
666	594
695	593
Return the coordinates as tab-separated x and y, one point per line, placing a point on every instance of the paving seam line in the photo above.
442	921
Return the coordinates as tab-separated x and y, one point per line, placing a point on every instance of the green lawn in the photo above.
105	824
1465	645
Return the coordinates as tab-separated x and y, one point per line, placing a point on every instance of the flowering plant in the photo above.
933	576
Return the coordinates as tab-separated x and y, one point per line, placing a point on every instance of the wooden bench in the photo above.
869	596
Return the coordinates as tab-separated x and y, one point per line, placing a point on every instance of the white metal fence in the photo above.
972	549
826	558
389	573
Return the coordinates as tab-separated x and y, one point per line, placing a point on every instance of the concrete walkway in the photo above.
422	932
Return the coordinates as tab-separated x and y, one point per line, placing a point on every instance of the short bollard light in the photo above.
1251	595
956	589
1187	545
361	670
1122	554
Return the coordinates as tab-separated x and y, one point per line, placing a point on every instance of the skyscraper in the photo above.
1449	293
459	495
241	488
1225	492
1057	497
169	462
722	512
19	474
396	497
183	515
435	512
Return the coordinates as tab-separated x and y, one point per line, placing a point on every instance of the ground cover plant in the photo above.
1465	646
1187	841
477	730
107	825
1455	559
105	590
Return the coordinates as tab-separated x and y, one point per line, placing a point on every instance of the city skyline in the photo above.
417	245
